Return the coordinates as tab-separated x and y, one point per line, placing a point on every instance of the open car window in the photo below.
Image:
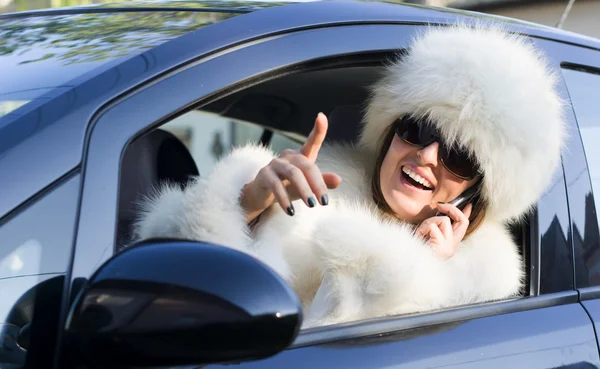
214	129
209	136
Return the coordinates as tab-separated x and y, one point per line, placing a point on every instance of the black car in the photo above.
100	103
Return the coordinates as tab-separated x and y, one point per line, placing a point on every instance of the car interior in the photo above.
283	103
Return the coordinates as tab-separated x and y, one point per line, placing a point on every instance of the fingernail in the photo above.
312	202
324	200
290	210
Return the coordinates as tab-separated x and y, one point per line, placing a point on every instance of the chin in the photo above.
406	201
405	207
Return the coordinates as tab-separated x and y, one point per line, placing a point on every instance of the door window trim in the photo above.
122	121
587	292
386	325
563	55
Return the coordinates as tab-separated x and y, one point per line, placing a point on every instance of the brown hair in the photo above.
477	213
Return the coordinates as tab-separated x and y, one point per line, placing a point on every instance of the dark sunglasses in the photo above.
422	134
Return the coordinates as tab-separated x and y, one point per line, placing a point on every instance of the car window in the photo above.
209	136
35	250
584	91
38	239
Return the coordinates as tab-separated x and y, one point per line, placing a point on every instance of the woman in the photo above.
353	228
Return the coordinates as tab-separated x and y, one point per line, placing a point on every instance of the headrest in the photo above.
156	157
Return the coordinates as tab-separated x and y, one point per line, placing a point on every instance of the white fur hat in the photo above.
487	90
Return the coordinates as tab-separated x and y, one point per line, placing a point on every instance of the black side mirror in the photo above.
166	303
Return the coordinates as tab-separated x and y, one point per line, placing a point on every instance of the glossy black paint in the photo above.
28	331
176	302
559	336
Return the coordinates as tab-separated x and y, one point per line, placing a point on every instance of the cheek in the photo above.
450	187
397	152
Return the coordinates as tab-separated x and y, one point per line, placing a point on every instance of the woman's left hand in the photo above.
443	235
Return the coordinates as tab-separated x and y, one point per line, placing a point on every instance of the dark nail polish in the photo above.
312	202
324	199
290	210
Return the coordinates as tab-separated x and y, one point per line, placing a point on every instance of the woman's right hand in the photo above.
291	176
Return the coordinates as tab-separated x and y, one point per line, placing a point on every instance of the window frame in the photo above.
120	122
589	290
564	55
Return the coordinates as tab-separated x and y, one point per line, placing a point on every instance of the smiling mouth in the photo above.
416	180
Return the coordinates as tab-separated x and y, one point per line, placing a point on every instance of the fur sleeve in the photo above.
373	267
208	209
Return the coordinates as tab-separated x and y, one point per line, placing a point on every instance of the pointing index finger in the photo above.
313	144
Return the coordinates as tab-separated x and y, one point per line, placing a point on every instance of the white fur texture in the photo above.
343	260
209	209
488	91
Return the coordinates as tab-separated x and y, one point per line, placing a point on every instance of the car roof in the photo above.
46	52
48	49
64	96
167	5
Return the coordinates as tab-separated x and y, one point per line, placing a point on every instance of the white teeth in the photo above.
417	177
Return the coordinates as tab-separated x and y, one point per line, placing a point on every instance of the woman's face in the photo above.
415	203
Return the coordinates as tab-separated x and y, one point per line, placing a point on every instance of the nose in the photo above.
428	155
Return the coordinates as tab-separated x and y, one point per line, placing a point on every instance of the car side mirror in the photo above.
168	303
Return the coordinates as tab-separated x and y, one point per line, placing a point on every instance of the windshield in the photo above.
40	55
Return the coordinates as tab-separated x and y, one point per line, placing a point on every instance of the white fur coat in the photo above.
344	260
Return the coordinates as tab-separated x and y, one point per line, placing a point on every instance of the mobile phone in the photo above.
463	199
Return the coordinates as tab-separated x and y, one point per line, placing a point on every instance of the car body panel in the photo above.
559	336
542	335
44	53
51	129
91	120
73	109
229	6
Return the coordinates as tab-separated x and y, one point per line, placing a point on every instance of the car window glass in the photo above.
35	250
38	239
209	136
584	91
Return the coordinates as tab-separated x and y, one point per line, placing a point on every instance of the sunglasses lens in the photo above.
412	132
422	134
458	162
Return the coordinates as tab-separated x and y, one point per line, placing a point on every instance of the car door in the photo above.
580	70
547	328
